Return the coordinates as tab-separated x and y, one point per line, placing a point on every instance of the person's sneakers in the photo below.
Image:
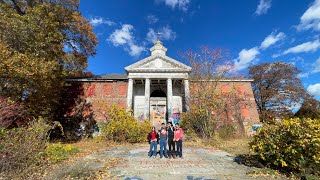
166	156
154	157
169	156
181	157
174	156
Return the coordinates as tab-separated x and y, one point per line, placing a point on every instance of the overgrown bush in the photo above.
22	148
227	131
290	145
123	127
75	115
58	152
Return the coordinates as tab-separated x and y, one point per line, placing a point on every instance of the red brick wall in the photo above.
102	95
248	108
244	89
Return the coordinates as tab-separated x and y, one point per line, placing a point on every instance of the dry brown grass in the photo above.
86	147
235	146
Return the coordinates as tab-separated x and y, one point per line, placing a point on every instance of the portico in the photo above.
158	87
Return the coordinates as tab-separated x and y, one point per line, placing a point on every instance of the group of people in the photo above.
167	135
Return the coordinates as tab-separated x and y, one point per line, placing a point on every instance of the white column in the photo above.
186	93
169	99
147	99
129	95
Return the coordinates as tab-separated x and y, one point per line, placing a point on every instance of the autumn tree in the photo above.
276	89
209	106
41	43
310	108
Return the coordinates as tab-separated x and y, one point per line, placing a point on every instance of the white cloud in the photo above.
311	18
310	46
151	35
135	50
263	7
303	75
314	89
316	66
166	33
96	21
245	58
152	19
124	37
272	39
275	55
315	69
180	4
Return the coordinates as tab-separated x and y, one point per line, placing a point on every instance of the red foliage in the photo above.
87	74
12	114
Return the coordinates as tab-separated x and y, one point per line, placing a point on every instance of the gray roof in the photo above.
110	76
103	77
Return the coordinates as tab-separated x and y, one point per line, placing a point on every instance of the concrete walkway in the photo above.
197	163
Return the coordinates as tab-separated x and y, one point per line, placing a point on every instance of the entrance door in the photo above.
158	110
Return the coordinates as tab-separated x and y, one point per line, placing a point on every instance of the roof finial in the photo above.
158	36
158	47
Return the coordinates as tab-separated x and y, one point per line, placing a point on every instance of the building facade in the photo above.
155	88
158	86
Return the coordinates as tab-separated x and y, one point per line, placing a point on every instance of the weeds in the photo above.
58	152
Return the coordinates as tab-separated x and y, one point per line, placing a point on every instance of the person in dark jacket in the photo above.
171	143
153	138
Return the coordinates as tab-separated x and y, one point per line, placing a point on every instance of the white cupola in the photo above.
158	48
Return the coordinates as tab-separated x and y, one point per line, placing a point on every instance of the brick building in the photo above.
156	88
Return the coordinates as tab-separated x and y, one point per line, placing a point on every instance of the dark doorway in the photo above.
158	93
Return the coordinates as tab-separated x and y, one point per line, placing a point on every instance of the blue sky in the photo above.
254	31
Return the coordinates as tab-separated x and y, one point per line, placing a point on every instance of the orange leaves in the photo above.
276	88
41	47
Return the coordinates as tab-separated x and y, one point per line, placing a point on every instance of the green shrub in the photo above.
22	148
123	127
291	145
200	121
58	152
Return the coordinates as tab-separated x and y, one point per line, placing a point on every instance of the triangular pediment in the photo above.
159	63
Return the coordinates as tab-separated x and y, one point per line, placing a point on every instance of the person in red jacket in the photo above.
153	138
178	135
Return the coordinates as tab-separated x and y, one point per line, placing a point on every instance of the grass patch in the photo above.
234	146
58	152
